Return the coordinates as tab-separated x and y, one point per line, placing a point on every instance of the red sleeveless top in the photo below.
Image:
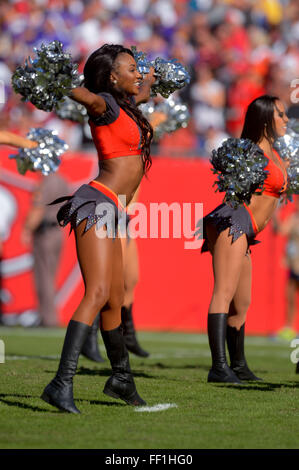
277	179
115	133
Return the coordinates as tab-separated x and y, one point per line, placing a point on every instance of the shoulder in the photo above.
109	99
111	113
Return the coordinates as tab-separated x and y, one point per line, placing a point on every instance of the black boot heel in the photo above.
64	401
223	374
220	371
121	383
59	392
122	386
235	343
130	333
91	347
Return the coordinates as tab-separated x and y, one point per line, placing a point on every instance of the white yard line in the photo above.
158	407
169	355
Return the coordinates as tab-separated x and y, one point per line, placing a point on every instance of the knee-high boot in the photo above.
121	383
130	334
297	368
220	371
91	346
59	392
235	343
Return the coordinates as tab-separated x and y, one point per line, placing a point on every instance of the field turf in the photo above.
202	416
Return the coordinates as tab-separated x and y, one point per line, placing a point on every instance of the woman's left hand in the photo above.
150	77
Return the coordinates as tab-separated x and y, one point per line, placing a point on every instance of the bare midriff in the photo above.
262	208
122	175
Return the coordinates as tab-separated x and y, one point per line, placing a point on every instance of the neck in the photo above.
266	146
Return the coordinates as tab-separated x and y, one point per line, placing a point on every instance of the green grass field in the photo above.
203	416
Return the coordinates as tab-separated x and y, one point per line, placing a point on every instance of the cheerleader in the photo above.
228	235
112	89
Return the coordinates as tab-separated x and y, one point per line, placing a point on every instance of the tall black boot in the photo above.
220	372
297	368
235	343
130	334
91	346
121	383
59	392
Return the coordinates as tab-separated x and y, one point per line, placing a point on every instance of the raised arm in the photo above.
9	138
145	88
94	104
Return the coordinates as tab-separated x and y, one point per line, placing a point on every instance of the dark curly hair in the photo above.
97	71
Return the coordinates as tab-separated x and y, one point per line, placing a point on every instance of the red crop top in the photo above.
115	133
276	181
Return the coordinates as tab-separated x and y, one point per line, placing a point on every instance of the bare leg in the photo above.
131	269
288	333
227	267
101	266
111	312
242	298
228	261
291	291
236	323
95	256
131	275
109	250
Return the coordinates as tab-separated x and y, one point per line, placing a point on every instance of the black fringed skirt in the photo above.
239	221
94	202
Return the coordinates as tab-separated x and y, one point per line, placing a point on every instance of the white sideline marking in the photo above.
159	407
29	358
159	337
184	354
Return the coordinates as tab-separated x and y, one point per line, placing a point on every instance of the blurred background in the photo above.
235	50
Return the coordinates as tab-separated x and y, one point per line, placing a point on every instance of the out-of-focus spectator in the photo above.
289	227
41	229
245	89
208	96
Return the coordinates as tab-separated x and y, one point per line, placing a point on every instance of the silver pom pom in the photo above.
44	157
176	115
71	110
288	148
48	78
143	65
240	166
171	75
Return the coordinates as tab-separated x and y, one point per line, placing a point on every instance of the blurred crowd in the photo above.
235	50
